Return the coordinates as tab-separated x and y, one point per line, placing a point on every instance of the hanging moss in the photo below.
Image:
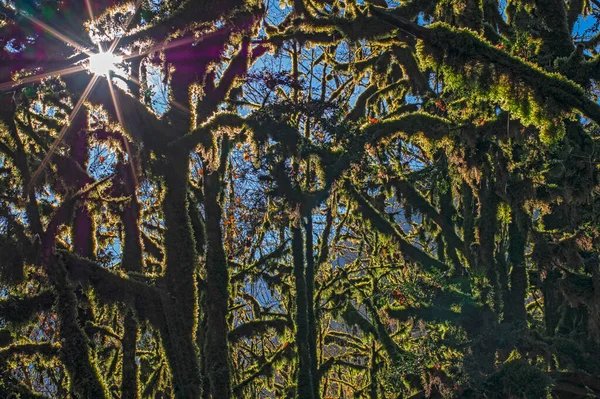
463	13
487	229
222	342
418	202
517	232
531	94
353	318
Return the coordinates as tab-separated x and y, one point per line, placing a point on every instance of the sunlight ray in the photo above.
89	10
120	119
63	131
38	78
57	34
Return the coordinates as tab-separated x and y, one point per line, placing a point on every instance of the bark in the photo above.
216	348
310	304
305	388
517	231
132	262
179	292
487	226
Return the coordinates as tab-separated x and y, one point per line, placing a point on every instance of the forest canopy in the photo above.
299	199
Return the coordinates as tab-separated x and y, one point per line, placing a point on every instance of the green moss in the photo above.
75	353
532	95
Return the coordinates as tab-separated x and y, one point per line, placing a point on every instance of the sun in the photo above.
103	63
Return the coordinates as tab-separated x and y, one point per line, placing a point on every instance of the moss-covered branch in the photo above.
111	287
257	327
461	46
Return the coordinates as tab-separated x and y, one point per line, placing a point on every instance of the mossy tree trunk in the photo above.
305	385
310	304
517	232
487	226
75	353
216	347
179	296
132	261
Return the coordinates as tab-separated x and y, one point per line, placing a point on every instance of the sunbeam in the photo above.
62	132
181	106
172	100
38	78
120	119
100	64
88	5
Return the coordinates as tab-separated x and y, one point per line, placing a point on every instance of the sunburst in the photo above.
100	64
103	63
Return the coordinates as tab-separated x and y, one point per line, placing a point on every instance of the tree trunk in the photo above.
132	262
179	293
517	232
216	347
310	305
305	388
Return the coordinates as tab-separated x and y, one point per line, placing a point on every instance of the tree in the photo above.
313	199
